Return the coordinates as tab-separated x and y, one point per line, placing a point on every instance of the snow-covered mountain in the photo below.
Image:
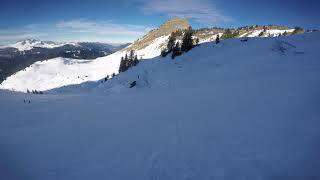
229	111
20	55
28	44
58	72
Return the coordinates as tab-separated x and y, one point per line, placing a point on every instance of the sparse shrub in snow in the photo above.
197	41
218	39
297	30
164	52
261	34
228	34
35	92
106	78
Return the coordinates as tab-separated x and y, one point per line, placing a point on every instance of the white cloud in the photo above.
76	30
204	11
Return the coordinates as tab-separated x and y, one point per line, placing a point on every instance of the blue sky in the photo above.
120	21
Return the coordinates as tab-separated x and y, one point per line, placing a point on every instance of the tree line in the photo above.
174	47
187	43
128	61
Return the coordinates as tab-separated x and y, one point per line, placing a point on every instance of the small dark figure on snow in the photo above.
133	84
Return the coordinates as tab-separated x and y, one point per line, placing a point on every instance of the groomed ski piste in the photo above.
228	111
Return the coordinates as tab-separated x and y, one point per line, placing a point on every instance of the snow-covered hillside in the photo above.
267	33
236	110
260	54
58	72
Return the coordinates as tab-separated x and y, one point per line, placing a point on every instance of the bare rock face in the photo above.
165	29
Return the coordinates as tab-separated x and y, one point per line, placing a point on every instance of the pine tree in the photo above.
131	55
187	42
135	61
171	42
122	64
128	62
176	51
264	29
197	41
164	52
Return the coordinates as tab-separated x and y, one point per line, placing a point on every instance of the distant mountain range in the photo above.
22	54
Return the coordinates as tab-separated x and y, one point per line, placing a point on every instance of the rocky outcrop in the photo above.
164	30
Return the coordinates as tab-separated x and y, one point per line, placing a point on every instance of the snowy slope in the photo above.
289	52
58	72
210	39
236	110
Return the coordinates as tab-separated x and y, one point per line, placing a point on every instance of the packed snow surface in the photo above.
231	111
